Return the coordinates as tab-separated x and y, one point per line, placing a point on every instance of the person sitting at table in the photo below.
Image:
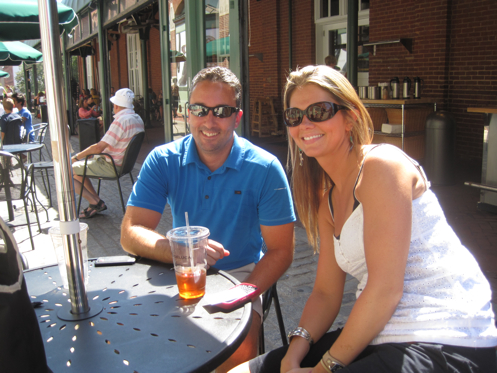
27	120
39	99
126	124
225	183
423	304
96	98
10	124
85	111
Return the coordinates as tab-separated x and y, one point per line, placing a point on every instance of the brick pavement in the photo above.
476	230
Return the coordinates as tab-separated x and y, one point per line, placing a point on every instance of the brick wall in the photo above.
269	36
453	51
154	62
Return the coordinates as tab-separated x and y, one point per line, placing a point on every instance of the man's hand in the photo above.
215	251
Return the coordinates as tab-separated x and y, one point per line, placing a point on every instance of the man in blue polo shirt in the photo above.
237	190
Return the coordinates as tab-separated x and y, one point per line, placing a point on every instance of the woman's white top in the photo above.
446	297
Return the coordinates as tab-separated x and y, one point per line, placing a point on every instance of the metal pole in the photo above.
66	57
59	133
352	26
146	96
27	86
166	69
35	80
85	74
290	33
103	67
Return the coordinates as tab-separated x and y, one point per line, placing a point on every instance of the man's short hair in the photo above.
222	75
8	104
330	61
19	98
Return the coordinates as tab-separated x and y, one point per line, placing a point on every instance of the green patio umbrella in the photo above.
13	53
19	19
4	74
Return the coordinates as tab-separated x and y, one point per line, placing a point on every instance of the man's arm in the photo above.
97	148
279	240
138	235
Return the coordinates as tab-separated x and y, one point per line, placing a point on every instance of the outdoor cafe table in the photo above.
144	325
16	149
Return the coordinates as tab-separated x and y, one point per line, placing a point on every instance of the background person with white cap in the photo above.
126	124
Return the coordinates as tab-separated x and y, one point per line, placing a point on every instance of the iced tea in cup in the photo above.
189	258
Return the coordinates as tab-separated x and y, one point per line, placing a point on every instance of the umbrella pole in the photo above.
69	223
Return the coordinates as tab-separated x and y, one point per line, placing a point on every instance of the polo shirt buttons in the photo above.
206	197
208	178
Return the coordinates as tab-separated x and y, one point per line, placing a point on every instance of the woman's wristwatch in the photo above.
300	332
75	157
330	363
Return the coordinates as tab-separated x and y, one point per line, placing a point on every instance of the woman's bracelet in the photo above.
301	332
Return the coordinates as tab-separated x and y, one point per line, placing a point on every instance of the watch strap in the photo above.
330	363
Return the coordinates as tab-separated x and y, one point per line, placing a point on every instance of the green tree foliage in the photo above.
40	72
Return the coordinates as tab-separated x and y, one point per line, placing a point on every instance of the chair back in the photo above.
39	131
13	131
13	177
131	153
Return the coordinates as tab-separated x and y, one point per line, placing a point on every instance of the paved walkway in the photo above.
476	229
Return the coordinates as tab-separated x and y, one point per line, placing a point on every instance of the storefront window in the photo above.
338	48
217	33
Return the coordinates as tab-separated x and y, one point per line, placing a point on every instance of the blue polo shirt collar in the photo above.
234	161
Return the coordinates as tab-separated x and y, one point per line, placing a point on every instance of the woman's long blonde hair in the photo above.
309	181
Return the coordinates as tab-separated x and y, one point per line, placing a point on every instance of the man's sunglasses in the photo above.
317	112
218	111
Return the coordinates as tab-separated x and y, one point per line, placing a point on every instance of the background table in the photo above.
16	149
144	325
21	148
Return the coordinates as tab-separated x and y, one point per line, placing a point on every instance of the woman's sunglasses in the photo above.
218	111
317	112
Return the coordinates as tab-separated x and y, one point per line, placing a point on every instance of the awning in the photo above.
218	47
19	19
13	53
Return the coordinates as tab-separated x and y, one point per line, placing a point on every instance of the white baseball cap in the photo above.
124	98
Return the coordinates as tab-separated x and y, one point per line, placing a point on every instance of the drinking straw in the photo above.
190	242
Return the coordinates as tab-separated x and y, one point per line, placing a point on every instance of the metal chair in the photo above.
16	182
42	166
129	160
268	297
39	130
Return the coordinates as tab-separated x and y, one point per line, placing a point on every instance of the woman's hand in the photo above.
293	357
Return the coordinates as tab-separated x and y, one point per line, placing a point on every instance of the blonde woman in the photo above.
423	304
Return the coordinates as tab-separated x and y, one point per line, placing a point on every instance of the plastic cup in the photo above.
59	251
189	259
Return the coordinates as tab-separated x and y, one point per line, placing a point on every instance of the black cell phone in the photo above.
114	260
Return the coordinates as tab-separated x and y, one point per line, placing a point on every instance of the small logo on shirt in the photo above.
238	192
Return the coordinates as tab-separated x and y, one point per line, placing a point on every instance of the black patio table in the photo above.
16	149
144	325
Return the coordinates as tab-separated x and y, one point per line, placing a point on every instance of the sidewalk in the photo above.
477	231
